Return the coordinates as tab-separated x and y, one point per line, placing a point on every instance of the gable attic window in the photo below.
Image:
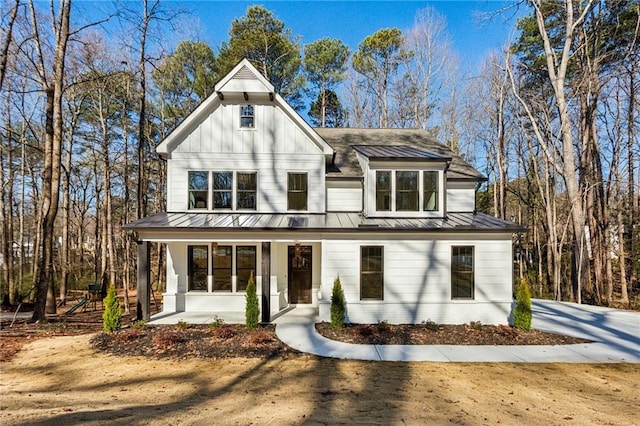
222	190
198	190
247	116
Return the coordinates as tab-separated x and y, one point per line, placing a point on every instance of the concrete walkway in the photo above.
615	333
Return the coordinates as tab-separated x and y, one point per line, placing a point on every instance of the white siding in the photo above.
417	281
461	200
344	199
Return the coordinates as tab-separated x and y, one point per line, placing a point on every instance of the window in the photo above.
222	268
462	275
430	186
371	273
198	190
198	258
222	190
245	265
407	191
383	191
297	191
246	191
246	116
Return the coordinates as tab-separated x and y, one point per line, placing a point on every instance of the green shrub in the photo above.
112	315
337	305
431	325
522	312
252	310
217	323
182	325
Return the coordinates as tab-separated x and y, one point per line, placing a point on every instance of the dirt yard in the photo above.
62	380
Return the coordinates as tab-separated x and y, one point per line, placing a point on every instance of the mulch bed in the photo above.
194	341
438	334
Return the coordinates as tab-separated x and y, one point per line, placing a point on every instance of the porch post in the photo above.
266	281
144	274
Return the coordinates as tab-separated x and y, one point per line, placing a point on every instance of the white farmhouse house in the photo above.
252	188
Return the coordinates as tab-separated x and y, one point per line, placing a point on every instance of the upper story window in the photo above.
297	191
246	191
247	116
430	188
407	191
462	272
222	190
383	191
198	190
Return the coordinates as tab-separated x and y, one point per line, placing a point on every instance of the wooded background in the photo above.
552	119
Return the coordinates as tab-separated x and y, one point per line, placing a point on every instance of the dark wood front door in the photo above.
300	274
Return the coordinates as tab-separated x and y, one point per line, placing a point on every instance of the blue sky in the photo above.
351	21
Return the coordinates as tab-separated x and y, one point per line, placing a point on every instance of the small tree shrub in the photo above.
337	305
252	310
182	325
224	333
522	312
112	315
431	325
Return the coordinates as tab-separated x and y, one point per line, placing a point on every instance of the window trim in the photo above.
420	212
362	272
251	116
426	173
190	267
221	191
389	191
306	191
472	273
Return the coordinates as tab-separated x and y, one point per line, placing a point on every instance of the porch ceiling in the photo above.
328	222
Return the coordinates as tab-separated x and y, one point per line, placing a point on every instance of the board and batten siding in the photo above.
275	147
417	281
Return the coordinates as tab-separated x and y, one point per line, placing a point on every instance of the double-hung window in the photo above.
462	272
198	190
197	267
247	116
383	191
297	191
222	258
371	273
222	190
430	189
246	191
407	191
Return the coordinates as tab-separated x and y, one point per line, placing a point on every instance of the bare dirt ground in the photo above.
63	381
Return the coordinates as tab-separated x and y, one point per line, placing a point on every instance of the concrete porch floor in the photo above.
301	314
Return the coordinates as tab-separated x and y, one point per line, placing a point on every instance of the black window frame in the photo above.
193	199
203	286
241	284
463	273
228	288
218	192
247	116
292	191
243	194
366	273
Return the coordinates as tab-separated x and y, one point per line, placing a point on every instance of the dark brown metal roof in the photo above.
346	163
397	152
329	222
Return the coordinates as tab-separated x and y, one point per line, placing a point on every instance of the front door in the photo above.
299	274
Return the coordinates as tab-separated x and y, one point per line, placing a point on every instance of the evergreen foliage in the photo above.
334	113
252	310
522	312
112	315
337	305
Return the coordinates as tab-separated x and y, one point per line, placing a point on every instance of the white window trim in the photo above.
234	277
302	172
240	127
234	191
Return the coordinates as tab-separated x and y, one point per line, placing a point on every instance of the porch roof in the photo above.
326	222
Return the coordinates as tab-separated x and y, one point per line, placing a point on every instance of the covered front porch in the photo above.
207	278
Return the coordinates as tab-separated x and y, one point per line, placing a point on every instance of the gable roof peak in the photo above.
242	78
